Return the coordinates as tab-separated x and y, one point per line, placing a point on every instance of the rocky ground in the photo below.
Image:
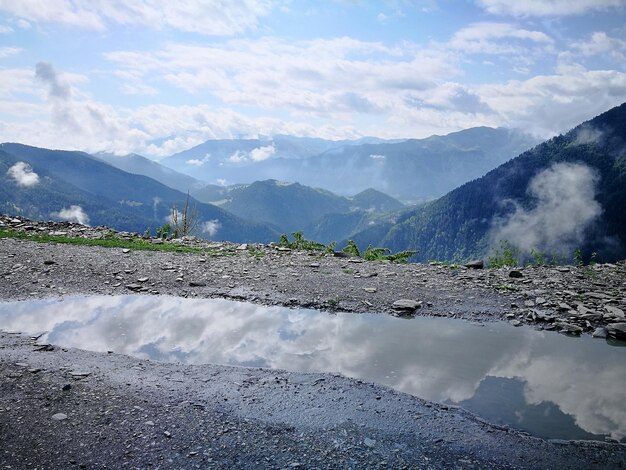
133	414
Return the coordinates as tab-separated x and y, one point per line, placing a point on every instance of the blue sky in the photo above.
156	77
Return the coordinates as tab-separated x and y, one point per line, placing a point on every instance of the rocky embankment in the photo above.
65	408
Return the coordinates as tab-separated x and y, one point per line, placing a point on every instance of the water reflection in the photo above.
548	384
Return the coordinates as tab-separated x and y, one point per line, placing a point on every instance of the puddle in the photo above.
544	383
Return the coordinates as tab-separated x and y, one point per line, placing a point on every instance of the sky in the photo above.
156	77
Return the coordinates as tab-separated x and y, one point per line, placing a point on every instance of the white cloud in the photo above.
601	43
237	157
210	227
198	161
199	16
9	51
72	214
308	77
377	157
23	174
565	208
5	29
588	135
547	7
489	38
549	104
262	153
63	11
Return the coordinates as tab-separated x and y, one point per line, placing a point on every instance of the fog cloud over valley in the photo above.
23	174
565	208
72	214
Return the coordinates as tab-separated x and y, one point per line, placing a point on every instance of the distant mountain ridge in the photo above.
568	192
140	165
107	195
290	207
409	170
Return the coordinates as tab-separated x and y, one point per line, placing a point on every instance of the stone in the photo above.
59	416
516	274
616	330
569	329
197	284
49	262
475	264
66	387
243	246
125	250
369	442
406	304
142	279
79	374
156	241
133	287
515	323
600	333
370	290
616	312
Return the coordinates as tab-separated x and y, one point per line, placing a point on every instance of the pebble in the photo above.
369	442
59	416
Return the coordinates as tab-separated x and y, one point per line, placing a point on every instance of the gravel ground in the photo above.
120	412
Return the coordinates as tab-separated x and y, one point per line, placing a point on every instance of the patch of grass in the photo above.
301	243
506	288
377	254
252	251
107	242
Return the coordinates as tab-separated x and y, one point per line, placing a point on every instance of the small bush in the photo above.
507	255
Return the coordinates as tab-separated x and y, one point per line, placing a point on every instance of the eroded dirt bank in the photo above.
123	412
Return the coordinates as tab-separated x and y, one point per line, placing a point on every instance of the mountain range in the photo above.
565	194
140	165
410	170
292	207
43	184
